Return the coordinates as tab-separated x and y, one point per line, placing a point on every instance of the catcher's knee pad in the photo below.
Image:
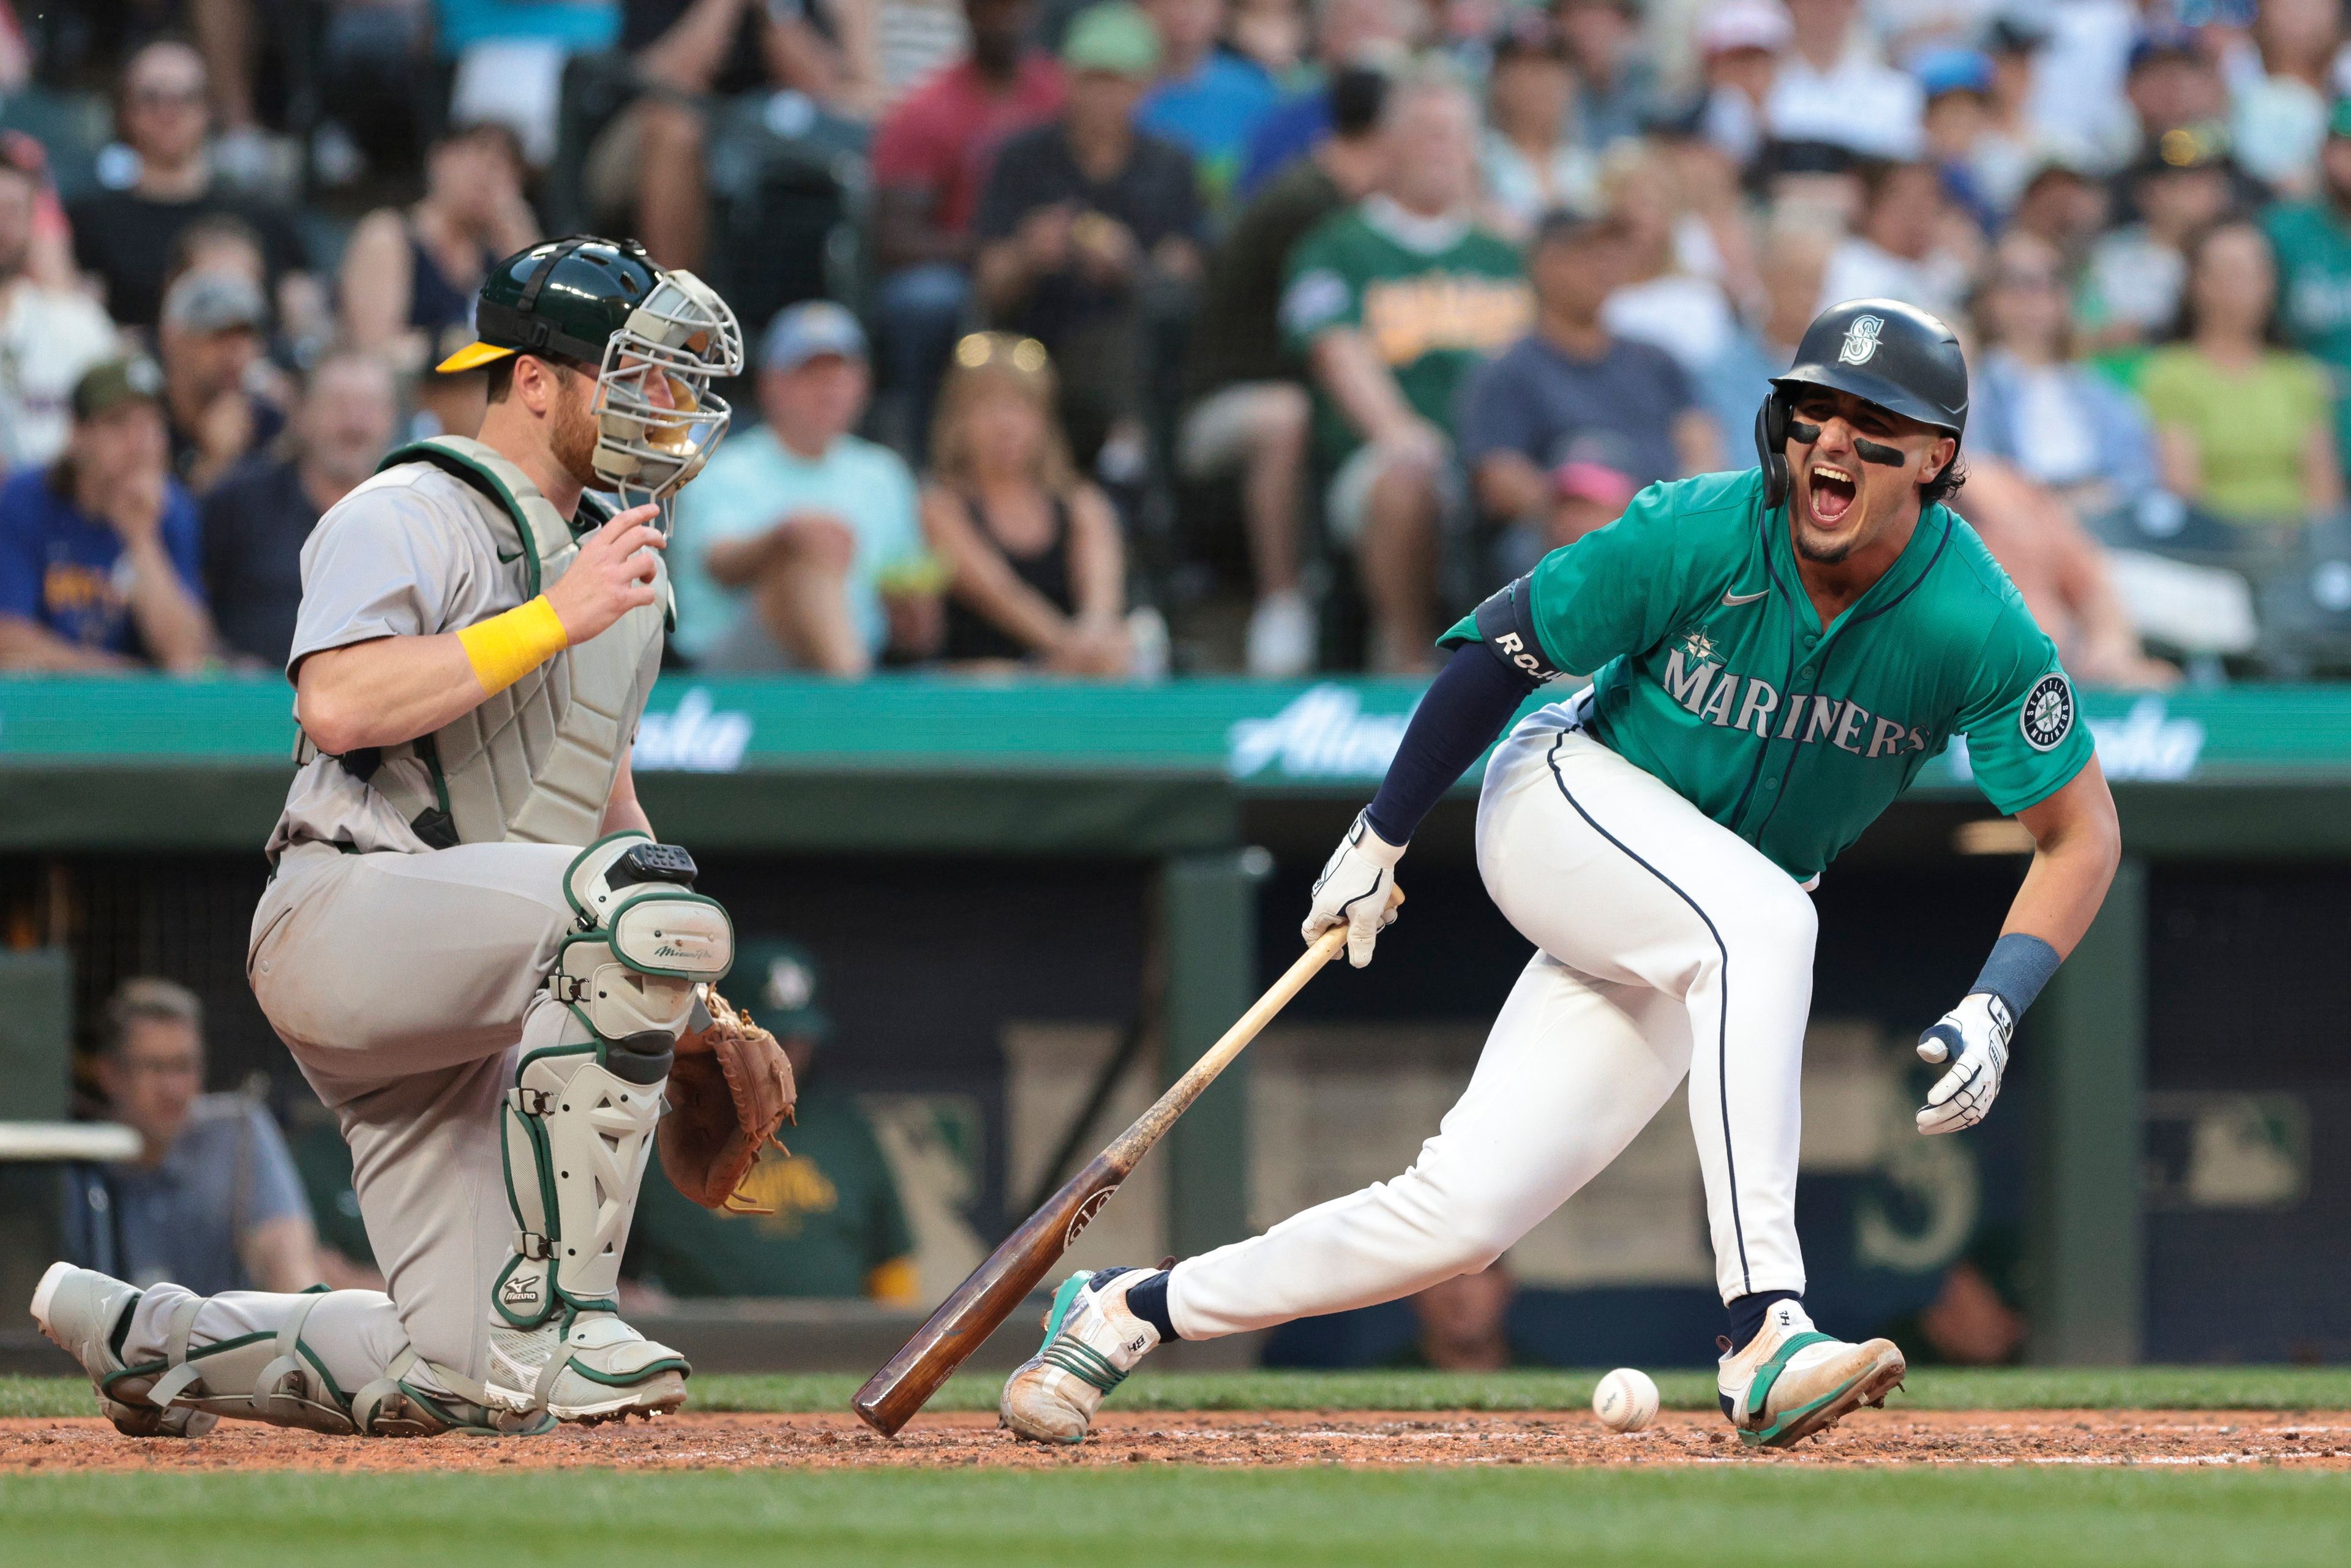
279	1379
580	1116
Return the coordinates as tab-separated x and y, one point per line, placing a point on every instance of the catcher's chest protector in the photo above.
536	762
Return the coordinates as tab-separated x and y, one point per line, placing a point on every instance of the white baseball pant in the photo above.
1666	946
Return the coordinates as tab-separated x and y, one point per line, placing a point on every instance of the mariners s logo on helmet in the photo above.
1861	340
2048	715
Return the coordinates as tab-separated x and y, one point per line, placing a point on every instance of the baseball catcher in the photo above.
477	950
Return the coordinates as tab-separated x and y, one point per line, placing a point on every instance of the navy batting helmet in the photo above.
1882	352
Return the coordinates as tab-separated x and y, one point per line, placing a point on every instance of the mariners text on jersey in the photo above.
1714	672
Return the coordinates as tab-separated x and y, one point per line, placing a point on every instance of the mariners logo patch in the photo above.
1861	340
2048	715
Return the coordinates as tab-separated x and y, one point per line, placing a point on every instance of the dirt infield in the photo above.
2302	1439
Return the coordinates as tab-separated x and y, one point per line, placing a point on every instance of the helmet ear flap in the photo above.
1771	447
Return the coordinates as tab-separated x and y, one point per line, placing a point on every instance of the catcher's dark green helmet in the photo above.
657	337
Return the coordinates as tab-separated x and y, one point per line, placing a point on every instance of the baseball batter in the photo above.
471	943
1778	653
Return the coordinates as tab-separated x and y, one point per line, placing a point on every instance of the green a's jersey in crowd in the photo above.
1435	298
1716	675
2313	241
834	1217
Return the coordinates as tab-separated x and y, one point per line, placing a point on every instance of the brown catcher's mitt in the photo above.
731	1088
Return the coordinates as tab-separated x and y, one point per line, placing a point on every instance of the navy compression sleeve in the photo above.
1464	709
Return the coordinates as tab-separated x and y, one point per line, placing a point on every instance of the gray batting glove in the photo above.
1353	889
1973	1038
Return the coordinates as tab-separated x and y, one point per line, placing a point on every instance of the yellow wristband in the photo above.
506	648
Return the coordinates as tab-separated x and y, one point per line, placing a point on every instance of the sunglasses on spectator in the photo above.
2026	280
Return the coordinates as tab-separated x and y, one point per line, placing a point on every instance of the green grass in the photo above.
1932	1388
1754	1516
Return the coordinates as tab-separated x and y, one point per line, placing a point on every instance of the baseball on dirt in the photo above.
1626	1401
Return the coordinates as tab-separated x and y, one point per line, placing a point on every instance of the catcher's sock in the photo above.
1747	1314
1147	1299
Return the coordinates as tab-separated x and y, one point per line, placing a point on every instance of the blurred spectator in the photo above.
1616	81
2003	160
1270	32
2181	186
1206	100
2280	116
2172	84
1037	571
915	38
696	59
1393	305
2245	427
1831	86
257	518
1375	33
448	403
98	567
2063	426
1248	414
824	1217
2060	572
125	236
1956	87
1677	204
1085	226
49	336
1739	44
210	342
1530	158
2060	204
509	57
211	1202
1462	1324
1821	180
930	157
2313	241
1909	245
1795	258
798	547
1569	395
408	277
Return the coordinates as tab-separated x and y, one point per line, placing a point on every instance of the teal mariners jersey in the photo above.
1716	675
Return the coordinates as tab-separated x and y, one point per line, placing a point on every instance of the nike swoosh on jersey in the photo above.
1733	601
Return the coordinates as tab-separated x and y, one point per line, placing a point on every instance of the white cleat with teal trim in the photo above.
1092	1343
1793	1380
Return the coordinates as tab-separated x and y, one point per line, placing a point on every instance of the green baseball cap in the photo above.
108	385
1117	37
775	981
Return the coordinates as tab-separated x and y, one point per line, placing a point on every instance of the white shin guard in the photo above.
579	1120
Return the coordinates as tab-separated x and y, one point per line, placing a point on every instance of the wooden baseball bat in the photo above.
999	1286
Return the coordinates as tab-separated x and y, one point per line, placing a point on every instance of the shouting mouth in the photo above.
1831	492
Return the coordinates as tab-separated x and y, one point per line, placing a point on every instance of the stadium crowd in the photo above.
1115	338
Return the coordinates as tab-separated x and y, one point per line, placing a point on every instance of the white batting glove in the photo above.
1973	1038
1354	889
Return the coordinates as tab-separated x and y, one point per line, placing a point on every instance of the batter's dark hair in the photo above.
1946	485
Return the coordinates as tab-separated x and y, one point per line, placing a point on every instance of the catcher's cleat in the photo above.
1092	1343
587	1368
1793	1381
86	1314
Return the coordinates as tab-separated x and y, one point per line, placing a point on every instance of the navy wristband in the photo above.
2019	967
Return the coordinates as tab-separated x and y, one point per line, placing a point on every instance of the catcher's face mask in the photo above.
657	420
